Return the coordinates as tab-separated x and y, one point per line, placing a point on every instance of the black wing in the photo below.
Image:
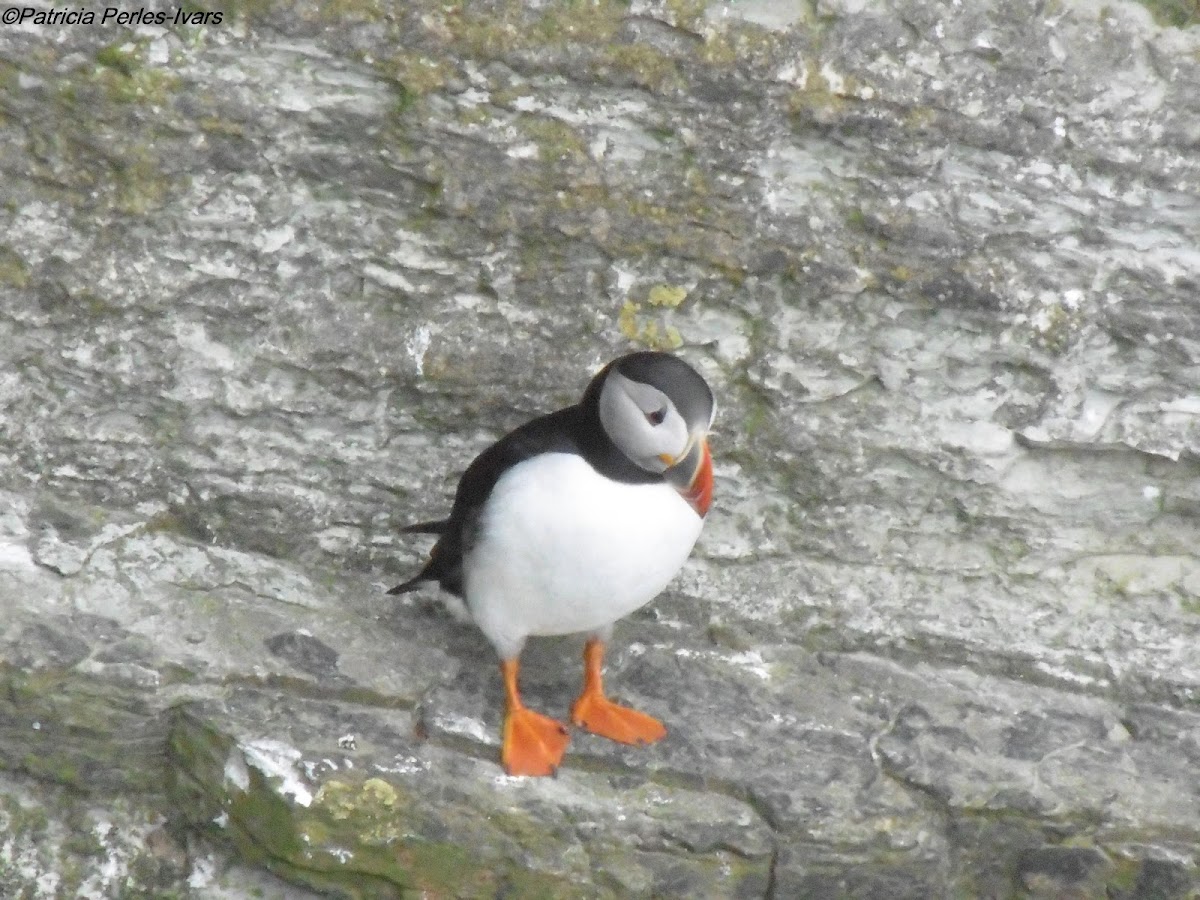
558	432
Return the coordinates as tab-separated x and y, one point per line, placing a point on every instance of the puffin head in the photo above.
656	409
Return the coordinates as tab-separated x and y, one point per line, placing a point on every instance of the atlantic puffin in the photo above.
572	521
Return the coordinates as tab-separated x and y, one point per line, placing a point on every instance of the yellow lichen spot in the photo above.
649	332
368	810
377	792
627	320
667	295
338	798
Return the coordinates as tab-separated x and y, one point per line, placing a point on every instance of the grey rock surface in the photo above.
268	285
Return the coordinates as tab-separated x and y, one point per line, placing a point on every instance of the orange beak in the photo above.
699	488
699	492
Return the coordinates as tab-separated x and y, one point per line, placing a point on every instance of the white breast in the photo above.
562	549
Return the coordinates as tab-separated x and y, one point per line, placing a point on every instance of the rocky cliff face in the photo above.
267	286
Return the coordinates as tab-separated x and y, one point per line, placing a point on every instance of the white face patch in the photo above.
642	421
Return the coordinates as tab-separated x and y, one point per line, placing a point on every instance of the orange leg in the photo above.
533	744
601	716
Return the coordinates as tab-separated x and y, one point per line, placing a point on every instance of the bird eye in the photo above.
656	417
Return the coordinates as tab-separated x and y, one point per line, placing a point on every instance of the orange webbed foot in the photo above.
599	715
533	744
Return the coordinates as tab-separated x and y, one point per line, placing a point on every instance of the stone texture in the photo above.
267	286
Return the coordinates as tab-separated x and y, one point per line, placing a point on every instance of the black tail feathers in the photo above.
437	527
411	585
